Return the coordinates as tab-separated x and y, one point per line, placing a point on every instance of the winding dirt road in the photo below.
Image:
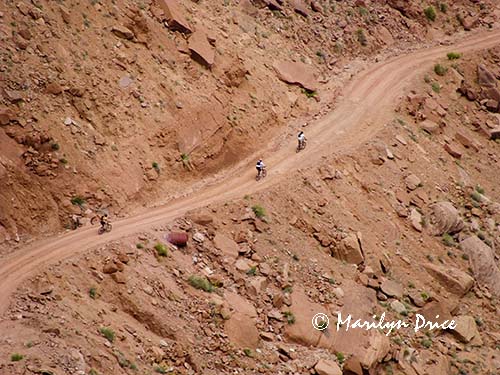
367	105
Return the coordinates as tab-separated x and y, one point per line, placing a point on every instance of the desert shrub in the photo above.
161	249
448	240
77	201
440	70
360	33
290	318
108	333
202	283
436	87
454	55
259	211
340	357
16	357
430	13
93	293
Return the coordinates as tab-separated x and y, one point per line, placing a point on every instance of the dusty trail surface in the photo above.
366	106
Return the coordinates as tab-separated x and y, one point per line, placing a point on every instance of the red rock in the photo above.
495	133
492	105
483	264
315	6
453	279
327	367
65	14
200	48
226	245
296	73
6	115
175	16
110	268
122	32
453	151
300	7
352	367
466	141
25	33
54	88
484	77
469	22
431	310
12	95
492	93
430	126
202	219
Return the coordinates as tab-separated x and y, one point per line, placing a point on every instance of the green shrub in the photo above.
108	333
443	7
202	283
63	161
448	240
16	357
156	166
93	293
160	370
430	13
454	55
440	70
77	201
340	357
139	245
248	352
480	189
426	343
161	249
436	87
55	146
309	93
259	211
252	271
476	196
290	318
360	33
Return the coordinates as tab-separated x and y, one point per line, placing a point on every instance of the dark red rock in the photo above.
175	16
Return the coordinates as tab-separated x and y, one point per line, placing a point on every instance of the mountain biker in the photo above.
301	138
260	166
104	220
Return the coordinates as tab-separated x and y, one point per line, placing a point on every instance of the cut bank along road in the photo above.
367	105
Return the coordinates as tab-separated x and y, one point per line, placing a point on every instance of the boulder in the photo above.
6	115
300	7
412	182
296	73
392	288
175	16
349	250
452	150
122	32
109	268
416	298
436	311
326	367
429	126
484	77
225	244
453	279
416	220
445	218
242	331
495	133
352	367
256	285
54	88
201	50
466	141
399	307
202	219
482	262
466	328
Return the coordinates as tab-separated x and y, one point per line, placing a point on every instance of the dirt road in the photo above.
367	105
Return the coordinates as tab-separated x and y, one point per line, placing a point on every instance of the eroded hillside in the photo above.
406	223
121	104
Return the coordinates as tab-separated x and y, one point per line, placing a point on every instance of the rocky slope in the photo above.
120	104
408	223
